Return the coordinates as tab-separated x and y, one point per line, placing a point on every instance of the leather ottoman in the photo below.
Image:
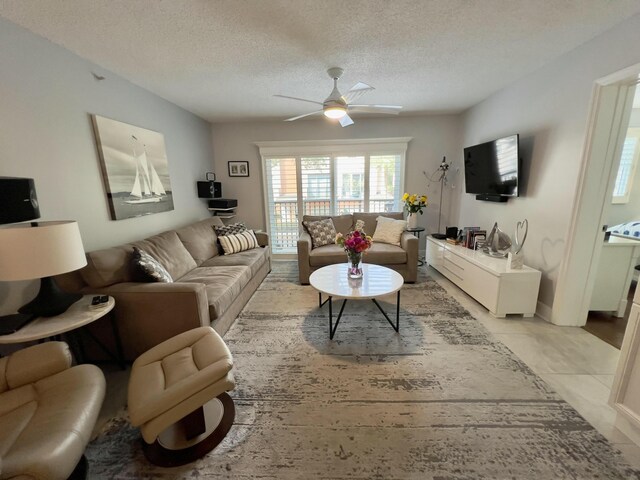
177	396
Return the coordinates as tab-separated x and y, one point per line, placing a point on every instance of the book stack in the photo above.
472	237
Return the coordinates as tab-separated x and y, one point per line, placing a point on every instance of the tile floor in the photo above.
578	365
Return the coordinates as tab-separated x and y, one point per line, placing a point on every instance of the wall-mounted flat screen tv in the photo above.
492	168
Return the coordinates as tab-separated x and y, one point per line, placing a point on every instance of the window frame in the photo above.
333	149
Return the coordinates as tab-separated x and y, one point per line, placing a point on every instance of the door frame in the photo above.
611	103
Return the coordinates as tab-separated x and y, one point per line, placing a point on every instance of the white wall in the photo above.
47	95
549	110
433	137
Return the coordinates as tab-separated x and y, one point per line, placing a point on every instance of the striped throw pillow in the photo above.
238	242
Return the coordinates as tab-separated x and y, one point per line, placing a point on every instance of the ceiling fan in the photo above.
337	106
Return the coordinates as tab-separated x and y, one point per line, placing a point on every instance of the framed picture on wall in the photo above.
135	169
238	169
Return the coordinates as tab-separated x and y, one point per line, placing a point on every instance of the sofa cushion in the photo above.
370	219
322	232
200	240
254	259
240	242
150	267
389	230
109	266
231	229
223	285
379	254
170	252
342	223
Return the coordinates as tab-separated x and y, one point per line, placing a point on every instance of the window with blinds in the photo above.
627	167
327	184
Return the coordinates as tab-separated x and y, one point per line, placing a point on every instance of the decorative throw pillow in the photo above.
238	242
322	232
359	225
231	229
389	230
150	267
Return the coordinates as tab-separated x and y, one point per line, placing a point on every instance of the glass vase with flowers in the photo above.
414	204
355	243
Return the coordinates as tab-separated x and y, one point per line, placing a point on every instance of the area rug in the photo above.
441	399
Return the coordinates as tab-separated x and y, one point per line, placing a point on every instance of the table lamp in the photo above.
42	250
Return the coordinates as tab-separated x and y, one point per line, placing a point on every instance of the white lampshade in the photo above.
40	250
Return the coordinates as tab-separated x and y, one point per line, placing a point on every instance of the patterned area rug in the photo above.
440	400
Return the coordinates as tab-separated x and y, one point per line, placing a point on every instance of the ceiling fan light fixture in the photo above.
335	113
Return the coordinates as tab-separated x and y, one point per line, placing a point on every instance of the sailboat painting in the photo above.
134	167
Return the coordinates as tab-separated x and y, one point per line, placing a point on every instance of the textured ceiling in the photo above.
224	59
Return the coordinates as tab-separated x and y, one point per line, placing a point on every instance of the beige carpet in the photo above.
440	400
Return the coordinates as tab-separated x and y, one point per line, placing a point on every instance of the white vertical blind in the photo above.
385	178
333	180
627	167
350	185
316	185
282	202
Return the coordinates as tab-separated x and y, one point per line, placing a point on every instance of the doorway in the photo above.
618	267
582	276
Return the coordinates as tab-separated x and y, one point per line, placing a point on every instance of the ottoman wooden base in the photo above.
174	447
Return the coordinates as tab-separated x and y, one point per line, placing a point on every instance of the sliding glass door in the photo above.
328	184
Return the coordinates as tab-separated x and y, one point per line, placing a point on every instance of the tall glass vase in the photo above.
354	261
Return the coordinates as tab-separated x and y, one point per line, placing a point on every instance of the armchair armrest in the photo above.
304	249
263	238
149	313
411	244
36	363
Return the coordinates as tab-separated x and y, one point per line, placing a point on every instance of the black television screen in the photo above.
492	167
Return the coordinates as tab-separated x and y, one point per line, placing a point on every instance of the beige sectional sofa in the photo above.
208	288
403	259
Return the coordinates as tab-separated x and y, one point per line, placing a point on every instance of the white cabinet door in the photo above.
435	255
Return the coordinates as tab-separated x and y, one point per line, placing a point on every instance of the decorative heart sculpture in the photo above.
519	226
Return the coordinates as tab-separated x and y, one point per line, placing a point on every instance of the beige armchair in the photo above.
47	412
403	259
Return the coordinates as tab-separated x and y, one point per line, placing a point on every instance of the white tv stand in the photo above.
487	279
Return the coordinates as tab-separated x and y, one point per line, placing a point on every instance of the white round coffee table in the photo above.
376	281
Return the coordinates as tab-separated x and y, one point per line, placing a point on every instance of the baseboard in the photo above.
543	311
626	427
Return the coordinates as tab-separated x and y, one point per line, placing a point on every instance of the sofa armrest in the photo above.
411	244
304	249
36	363
149	313
263	238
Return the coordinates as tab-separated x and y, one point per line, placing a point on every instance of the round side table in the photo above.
77	315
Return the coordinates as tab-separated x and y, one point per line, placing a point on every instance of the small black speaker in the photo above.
223	203
209	189
18	200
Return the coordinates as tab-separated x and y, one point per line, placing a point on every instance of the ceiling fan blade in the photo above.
345	121
300	99
302	116
357	91
391	109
